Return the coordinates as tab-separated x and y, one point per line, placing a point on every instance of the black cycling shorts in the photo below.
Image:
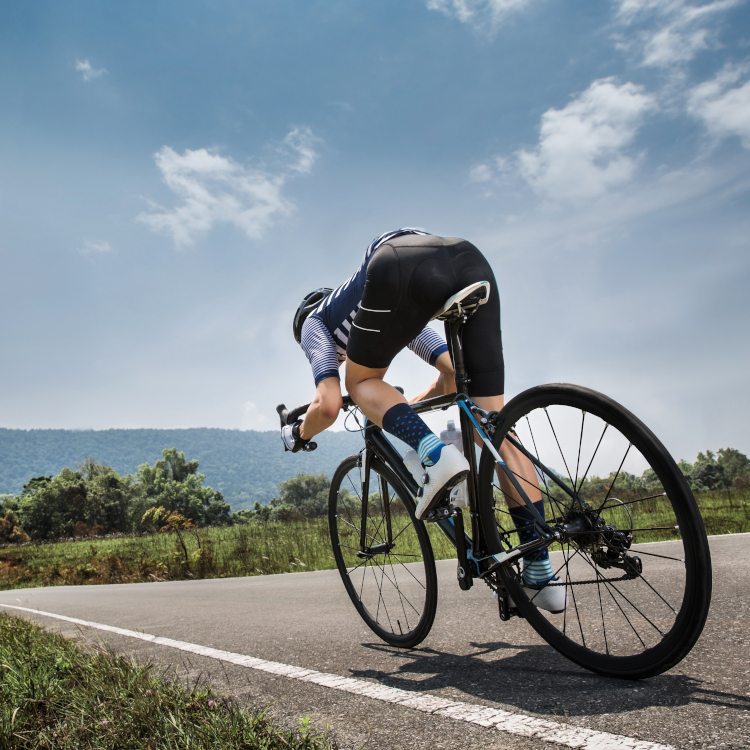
408	280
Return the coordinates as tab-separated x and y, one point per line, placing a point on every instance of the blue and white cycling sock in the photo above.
403	422
537	568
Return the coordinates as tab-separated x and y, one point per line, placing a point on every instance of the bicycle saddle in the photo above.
466	302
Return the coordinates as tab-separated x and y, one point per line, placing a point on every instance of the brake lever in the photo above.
283	413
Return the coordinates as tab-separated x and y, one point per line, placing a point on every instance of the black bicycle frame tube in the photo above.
453	331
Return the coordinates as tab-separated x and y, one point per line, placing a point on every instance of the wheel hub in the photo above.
377	549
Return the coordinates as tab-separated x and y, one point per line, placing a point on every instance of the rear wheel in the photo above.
633	557
382	552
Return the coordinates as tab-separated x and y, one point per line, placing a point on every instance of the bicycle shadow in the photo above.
535	678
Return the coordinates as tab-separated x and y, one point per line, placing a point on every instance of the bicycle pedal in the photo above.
506	607
440	513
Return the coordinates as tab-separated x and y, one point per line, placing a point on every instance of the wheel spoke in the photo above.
630	502
653	554
621	491
617	475
578	459
596	450
394	589
601	610
611	583
558	446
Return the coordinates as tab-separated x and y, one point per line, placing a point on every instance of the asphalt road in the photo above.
307	620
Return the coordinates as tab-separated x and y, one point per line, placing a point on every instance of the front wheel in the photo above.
382	551
633	557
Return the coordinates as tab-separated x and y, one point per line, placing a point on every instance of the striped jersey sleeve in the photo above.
320	349
428	345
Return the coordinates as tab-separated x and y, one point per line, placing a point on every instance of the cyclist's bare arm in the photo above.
324	409
444	382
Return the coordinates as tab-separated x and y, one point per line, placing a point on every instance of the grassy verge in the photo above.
54	694
256	550
223	552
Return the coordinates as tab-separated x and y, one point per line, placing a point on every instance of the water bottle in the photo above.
452	436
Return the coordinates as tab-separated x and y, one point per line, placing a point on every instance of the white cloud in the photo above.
87	71
724	109
482	14
491	170
481	173
581	151
215	189
90	247
677	30
253	419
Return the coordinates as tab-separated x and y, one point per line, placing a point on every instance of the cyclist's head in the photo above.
308	304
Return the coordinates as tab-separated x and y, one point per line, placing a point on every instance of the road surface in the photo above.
305	620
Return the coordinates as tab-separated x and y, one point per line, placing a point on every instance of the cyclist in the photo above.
384	307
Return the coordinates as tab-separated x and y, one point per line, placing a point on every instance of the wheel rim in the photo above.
392	580
628	601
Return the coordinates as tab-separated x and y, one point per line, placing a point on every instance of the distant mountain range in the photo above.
245	465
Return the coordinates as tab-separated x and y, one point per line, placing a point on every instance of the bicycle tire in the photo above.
653	641
397	602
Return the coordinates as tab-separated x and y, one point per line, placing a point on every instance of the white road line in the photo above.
485	716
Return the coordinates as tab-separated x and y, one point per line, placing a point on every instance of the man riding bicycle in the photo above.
384	307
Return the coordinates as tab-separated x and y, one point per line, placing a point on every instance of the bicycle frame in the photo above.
478	552
482	551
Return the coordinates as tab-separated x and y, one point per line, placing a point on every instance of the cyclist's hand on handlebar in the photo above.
293	441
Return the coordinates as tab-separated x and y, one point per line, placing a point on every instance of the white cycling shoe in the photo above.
449	470
553	599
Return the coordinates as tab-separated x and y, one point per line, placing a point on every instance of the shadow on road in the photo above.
535	678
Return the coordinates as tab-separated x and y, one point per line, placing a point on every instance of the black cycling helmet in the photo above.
308	304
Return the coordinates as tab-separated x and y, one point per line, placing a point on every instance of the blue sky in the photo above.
174	176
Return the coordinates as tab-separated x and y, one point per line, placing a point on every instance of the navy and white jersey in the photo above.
325	333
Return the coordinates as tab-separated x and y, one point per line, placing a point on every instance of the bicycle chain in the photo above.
584	583
567	583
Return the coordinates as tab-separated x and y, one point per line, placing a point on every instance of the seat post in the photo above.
453	330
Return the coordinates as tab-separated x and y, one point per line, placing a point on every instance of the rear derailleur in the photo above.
614	554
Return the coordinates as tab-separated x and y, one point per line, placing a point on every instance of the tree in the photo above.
303	496
736	466
175	484
50	507
10	532
113	503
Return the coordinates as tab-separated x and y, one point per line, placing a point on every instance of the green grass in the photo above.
55	694
251	549
223	552
267	548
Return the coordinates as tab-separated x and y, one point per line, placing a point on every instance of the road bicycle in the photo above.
621	525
